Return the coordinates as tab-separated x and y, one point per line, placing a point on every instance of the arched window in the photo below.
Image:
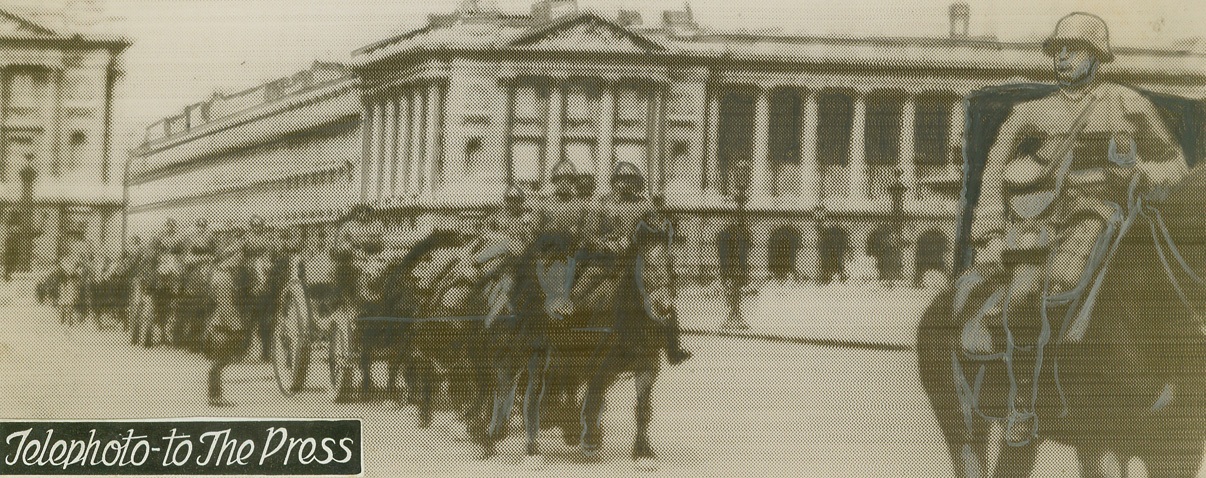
887	254
833	248
932	249
782	252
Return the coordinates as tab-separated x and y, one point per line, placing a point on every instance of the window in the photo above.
75	151
529	122
932	131
632	128
784	147
735	136
882	143
834	123
580	127
18	148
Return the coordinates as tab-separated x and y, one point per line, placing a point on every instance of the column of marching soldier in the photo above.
176	264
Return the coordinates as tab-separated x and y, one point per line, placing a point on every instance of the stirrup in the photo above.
1016	419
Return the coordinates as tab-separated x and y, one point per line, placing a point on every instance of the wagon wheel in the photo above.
291	344
341	355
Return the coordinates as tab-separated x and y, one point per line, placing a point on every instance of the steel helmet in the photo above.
257	221
564	169
514	194
1082	29
627	170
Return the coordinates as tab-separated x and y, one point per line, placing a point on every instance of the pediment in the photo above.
589	33
13	25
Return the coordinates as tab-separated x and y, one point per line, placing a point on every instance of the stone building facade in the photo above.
59	179
452	113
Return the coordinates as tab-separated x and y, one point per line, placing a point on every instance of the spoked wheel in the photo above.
340	356
291	344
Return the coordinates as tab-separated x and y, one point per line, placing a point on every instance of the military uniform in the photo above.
509	233
615	221
560	221
1061	186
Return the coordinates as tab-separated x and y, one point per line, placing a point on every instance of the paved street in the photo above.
742	407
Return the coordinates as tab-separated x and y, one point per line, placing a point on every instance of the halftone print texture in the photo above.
597	237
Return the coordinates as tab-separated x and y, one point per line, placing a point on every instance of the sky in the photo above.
185	50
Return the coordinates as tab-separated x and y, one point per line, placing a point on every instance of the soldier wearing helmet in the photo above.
1065	171
614	224
199	249
559	226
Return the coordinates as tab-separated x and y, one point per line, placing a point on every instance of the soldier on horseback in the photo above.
560	222
613	226
1065	178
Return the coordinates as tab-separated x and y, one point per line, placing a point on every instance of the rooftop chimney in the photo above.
680	23
960	16
629	18
544	11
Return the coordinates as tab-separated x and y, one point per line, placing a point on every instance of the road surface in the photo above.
741	407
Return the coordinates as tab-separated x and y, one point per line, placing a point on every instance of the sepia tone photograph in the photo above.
468	238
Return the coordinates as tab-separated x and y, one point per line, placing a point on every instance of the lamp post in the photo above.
896	241
739	248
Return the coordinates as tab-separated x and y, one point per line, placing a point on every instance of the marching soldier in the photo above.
615	221
228	335
1065	172
166	251
199	248
260	243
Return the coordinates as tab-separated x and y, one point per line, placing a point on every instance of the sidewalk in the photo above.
857	315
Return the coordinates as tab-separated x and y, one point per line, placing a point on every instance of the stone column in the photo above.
809	174
556	112
606	153
368	131
418	112
712	145
386	122
402	158
956	141
759	150
432	166
858	153
908	168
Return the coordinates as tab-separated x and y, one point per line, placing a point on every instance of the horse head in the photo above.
654	269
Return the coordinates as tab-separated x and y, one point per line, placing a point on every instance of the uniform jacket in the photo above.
987	117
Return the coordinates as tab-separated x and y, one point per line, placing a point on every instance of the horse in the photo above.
1112	391
446	342
575	359
111	294
373	286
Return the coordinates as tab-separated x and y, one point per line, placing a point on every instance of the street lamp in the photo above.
896	241
739	244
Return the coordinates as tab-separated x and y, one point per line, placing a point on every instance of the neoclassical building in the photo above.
283	150
454	112
58	173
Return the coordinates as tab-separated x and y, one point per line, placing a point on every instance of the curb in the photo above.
829	343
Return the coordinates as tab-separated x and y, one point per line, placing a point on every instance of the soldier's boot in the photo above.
675	353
